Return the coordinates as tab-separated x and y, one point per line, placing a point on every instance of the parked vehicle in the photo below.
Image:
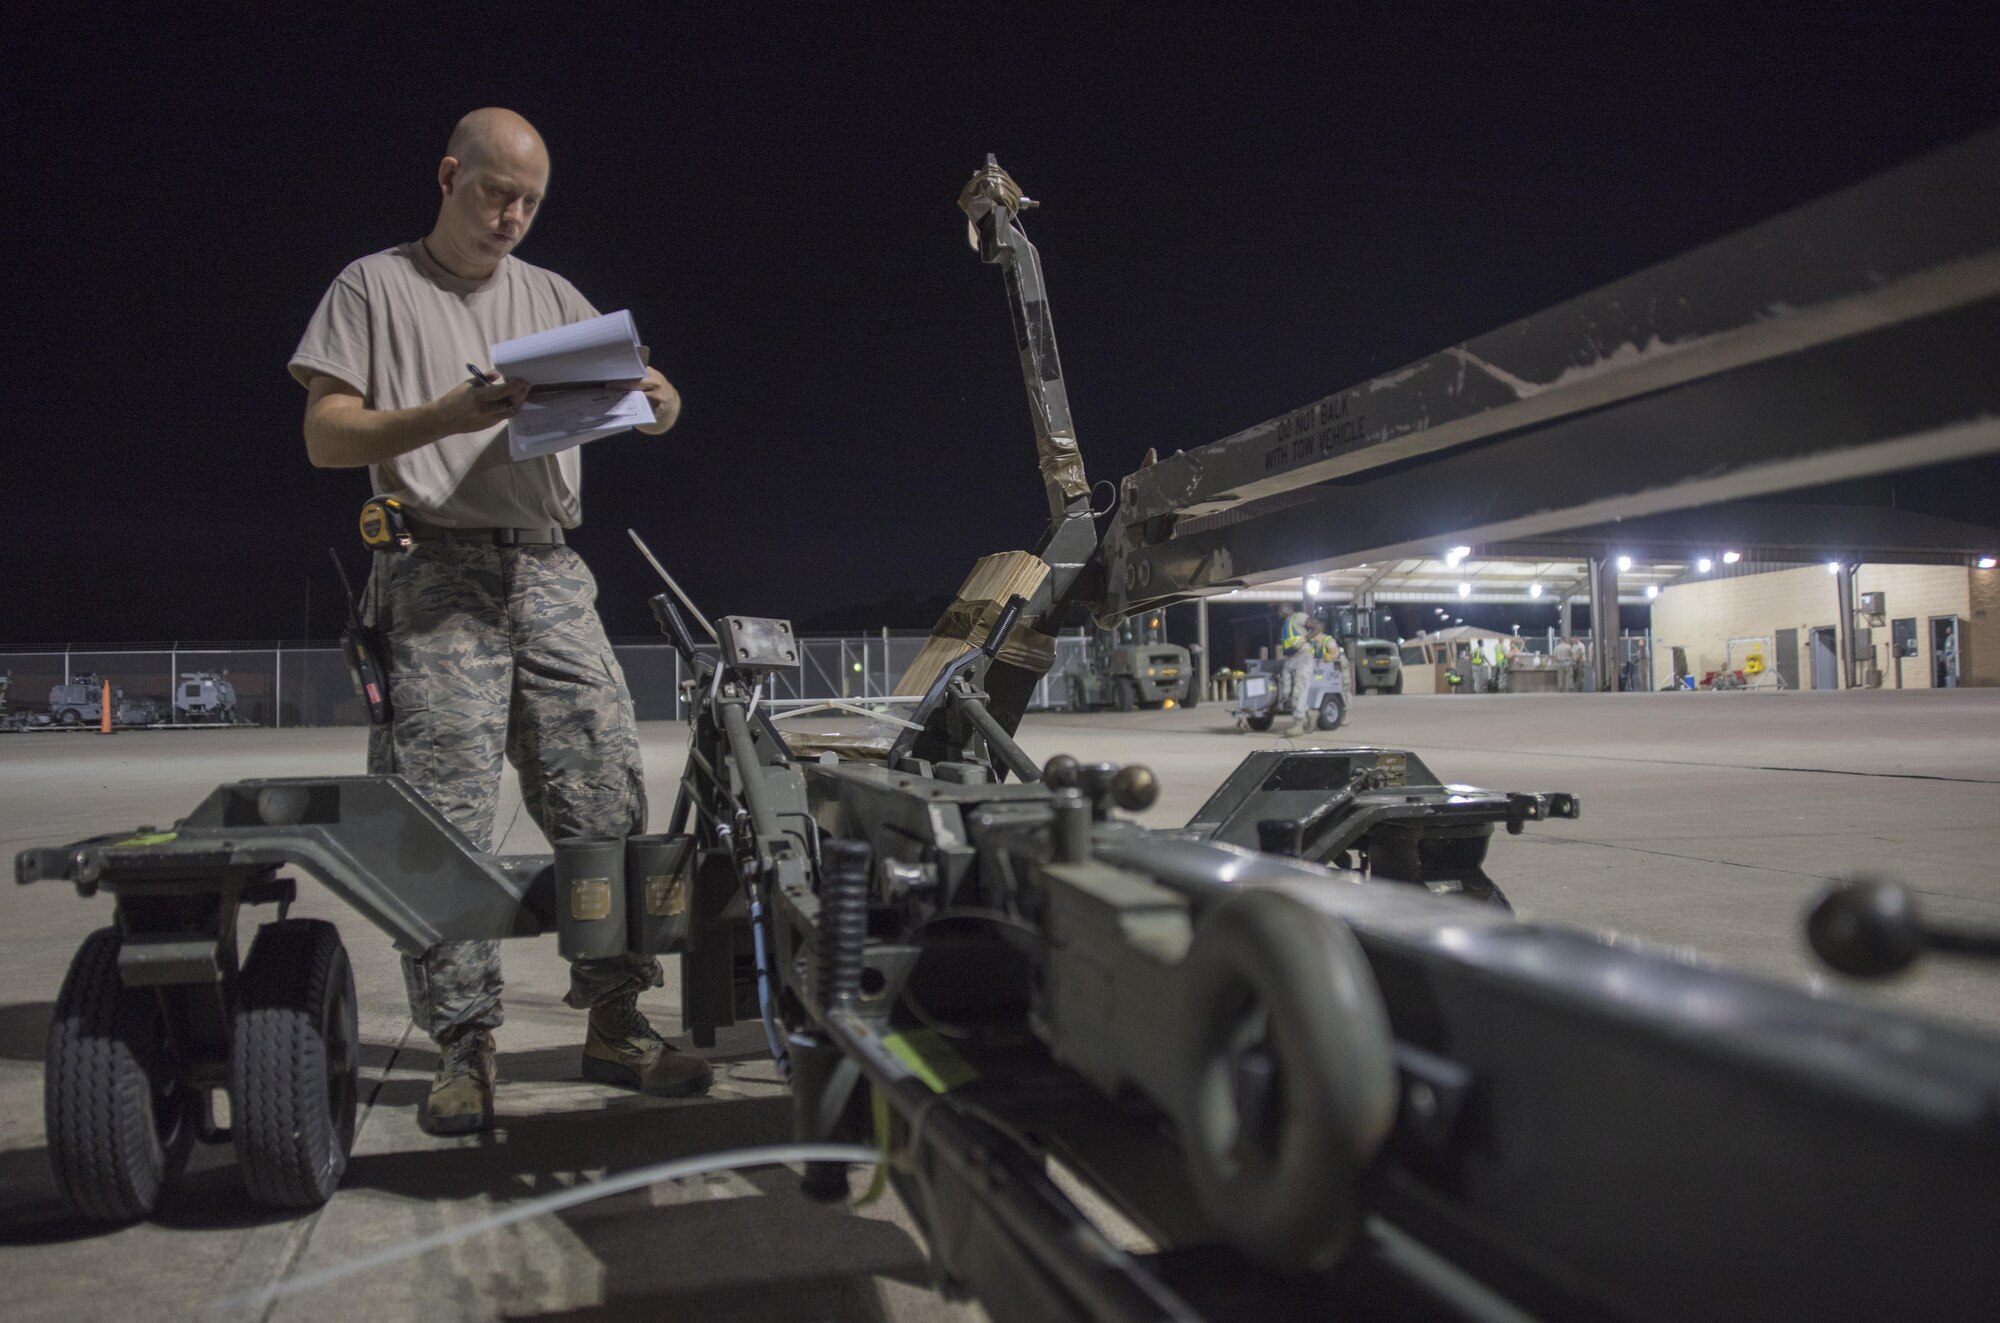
205	696
81	703
1379	666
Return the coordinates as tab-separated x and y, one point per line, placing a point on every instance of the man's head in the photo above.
493	176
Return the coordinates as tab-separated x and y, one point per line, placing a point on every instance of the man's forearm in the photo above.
350	435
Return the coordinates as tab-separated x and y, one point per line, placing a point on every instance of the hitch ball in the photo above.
1135	789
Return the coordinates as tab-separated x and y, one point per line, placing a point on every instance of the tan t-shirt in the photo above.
401	329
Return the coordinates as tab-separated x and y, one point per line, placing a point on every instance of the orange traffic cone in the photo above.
104	718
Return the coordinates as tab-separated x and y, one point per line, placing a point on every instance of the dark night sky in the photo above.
1239	216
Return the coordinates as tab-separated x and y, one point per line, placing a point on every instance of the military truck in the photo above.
1134	666
81	703
205	696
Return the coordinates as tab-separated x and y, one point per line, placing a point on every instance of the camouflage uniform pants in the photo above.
1295	684
498	652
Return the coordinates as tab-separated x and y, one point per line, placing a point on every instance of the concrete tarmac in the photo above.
1708	820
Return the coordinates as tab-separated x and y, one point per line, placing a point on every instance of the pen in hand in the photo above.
478	378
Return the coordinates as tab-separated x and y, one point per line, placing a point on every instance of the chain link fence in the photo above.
284	685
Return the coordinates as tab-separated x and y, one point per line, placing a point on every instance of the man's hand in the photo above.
343	432
469	408
659	393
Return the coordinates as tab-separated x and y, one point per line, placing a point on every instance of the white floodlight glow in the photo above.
1624	564
1458	620
1652	591
1987	562
1833	567
1731	557
1534	590
1312	587
1455	555
1704	565
1464	588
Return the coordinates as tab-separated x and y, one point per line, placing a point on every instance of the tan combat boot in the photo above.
461	1096
1296	729
623	1049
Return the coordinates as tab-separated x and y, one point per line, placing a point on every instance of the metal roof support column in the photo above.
1201	641
1843	593
1604	623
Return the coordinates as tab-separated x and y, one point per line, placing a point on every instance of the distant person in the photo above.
1565	656
1947	658
1295	675
495	646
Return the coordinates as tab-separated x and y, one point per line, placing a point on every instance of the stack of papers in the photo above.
567	368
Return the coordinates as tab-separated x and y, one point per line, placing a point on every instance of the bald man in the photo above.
495	647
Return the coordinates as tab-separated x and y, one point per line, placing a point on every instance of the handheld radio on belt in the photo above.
362	647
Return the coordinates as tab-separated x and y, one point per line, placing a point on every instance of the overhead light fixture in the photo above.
1455	555
1464	588
1312	587
1534	590
1652	591
1987	562
1833	567
1731	557
1624	564
1704	565
1458	620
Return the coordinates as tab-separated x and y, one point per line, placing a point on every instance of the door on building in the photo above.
1945	641
1825	658
1786	645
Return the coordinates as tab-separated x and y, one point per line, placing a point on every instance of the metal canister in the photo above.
590	896
659	882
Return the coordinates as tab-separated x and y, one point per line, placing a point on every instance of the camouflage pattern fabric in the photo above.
1295	682
497	652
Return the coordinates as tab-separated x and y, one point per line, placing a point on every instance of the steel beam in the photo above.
1917	392
1917	240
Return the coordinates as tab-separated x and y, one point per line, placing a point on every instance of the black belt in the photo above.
494	537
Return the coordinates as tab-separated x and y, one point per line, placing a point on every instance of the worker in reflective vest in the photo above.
1295	678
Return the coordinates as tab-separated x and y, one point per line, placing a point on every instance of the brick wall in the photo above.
1979	650
1703	616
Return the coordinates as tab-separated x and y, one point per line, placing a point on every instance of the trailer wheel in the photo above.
120	1120
1287	1079
294	1064
69	716
1259	721
1332	711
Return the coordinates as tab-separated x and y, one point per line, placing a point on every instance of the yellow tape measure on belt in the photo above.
383	527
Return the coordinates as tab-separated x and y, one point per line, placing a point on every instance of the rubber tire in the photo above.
1125	695
1260	721
1338	705
1266	953
69	716
1397	687
294	1064
116	1141
1193	696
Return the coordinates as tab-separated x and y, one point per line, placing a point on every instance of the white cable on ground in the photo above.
679	1169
